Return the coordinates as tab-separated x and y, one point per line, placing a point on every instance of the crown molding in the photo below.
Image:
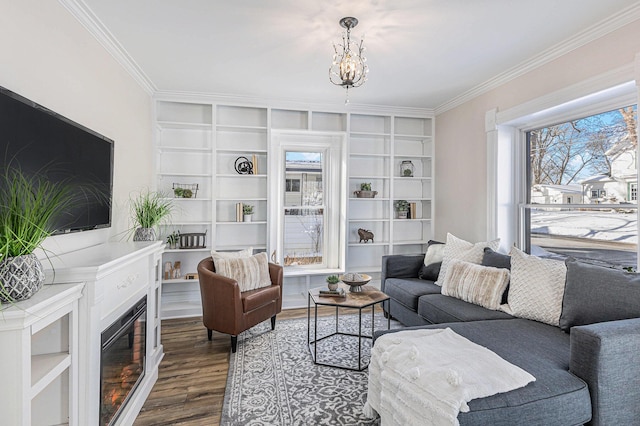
217	98
90	21
594	32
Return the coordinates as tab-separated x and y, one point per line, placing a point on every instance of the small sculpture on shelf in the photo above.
243	166
168	270
177	273
365	235
365	191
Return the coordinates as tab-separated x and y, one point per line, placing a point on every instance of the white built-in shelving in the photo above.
39	337
199	142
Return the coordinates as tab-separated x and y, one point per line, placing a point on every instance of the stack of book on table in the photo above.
333	293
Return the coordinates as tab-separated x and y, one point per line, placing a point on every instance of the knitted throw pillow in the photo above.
537	287
250	272
481	285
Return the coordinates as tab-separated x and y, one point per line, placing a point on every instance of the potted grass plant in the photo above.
30	204
149	209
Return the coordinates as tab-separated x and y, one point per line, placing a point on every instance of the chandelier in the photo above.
349	67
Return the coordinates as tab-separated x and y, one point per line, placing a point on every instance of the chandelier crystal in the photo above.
349	67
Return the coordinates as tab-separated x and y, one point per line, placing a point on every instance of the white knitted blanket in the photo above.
426	377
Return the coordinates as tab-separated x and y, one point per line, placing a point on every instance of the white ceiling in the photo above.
421	53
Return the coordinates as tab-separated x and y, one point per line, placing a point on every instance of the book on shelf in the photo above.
239	213
413	210
254	162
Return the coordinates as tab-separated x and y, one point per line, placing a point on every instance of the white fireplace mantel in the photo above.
116	276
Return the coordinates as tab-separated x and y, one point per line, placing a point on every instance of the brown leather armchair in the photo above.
227	310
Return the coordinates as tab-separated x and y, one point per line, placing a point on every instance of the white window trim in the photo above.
506	136
334	147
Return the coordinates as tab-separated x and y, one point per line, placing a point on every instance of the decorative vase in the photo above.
247	217
332	286
402	214
20	277
144	234
406	168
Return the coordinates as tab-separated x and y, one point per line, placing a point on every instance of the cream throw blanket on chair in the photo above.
426	377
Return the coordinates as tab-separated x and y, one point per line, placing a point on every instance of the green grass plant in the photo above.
150	209
29	206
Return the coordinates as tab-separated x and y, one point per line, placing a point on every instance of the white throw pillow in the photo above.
215	255
250	272
248	252
537	287
456	248
481	285
434	254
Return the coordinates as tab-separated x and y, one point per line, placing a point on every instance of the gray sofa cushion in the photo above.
438	309
557	397
407	290
595	294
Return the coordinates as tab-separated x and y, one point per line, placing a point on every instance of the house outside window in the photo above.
292	185
598	153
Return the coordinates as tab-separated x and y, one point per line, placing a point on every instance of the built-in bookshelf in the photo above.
203	143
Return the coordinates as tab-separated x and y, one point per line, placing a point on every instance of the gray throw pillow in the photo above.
497	260
595	294
430	272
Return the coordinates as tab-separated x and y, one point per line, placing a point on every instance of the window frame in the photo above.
334	148
507	157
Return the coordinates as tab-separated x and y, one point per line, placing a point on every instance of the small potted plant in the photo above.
332	282
402	207
247	212
172	240
149	209
365	191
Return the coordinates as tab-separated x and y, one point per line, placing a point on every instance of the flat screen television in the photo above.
39	140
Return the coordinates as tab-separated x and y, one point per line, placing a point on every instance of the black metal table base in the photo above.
313	344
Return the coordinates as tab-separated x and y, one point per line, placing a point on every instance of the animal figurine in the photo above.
365	235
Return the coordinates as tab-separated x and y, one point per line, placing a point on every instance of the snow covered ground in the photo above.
599	225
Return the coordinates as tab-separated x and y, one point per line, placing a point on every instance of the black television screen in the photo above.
39	140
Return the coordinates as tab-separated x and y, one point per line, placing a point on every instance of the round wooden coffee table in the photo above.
368	297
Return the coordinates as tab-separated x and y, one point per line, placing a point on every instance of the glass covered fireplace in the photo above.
122	361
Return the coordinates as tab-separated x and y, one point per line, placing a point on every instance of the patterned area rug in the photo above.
273	380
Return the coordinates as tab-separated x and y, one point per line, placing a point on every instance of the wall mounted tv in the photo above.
39	140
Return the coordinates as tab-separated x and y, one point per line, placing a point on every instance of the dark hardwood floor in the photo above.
193	374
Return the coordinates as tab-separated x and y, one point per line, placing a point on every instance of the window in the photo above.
596	157
307	200
292	185
304	224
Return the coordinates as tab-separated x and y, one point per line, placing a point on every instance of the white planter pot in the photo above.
248	217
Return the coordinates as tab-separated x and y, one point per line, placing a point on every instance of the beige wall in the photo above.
50	58
461	191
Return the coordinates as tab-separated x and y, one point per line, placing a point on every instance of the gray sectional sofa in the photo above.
588	373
